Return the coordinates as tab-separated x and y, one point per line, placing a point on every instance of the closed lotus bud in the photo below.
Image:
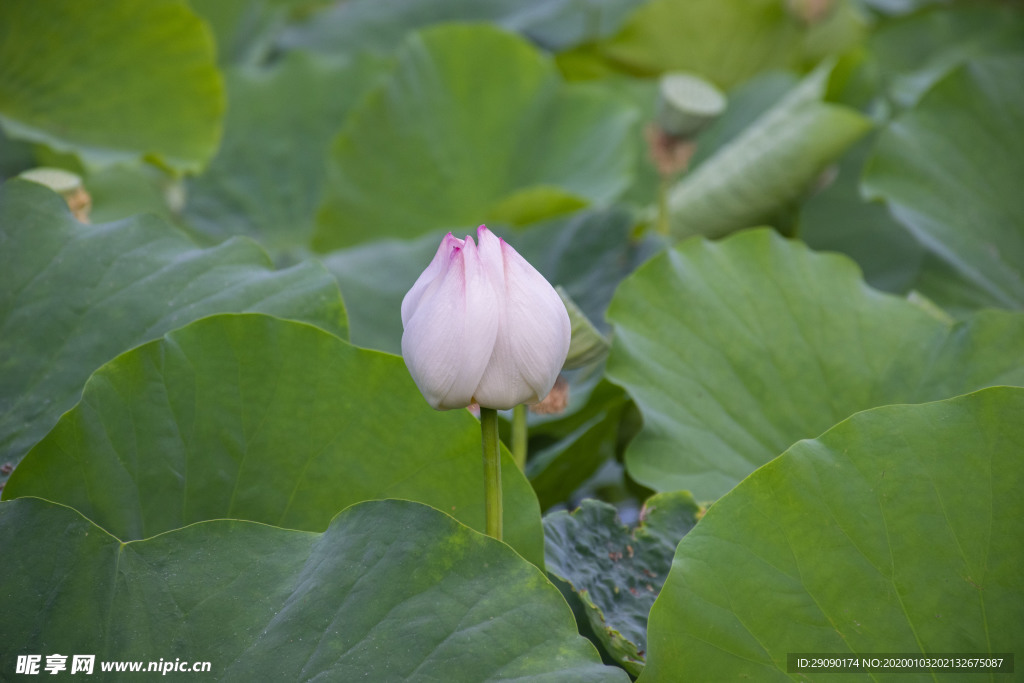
483	326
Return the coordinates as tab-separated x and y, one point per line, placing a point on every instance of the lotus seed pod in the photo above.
686	104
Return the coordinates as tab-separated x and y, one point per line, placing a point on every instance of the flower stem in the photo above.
492	471
519	436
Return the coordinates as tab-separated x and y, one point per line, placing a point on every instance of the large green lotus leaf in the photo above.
839	30
945	287
254	417
15	156
374	278
839	219
950	171
111	82
392	590
911	54
245	30
896	531
733	351
762	172
470	117
616	571
267	178
565	24
642	95
667	35
73	296
687	35
381	25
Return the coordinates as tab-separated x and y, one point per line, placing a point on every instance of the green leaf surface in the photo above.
617	571
558	25
673	35
534	204
268	176
762	172
687	35
254	417
948	288
733	351
122	191
840	28
244	30
838	218
112	82
73	296
392	590
950	171
898	530
15	156
381	25
374	278
470	117
568	450
559	470
911	54
642	95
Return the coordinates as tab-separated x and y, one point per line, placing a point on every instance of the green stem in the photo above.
519	436
492	471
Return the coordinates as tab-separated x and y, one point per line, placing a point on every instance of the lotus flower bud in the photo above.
482	325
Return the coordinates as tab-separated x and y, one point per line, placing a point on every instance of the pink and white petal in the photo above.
500	387
533	340
492	259
533	337
441	260
449	338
